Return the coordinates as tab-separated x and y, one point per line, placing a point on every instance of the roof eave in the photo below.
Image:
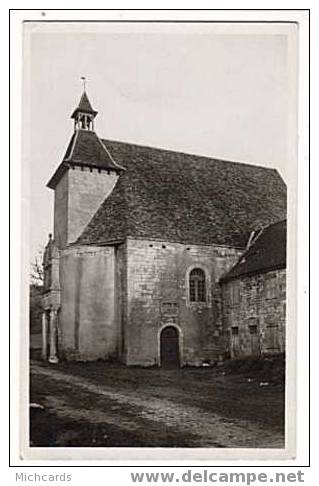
78	163
87	112
58	174
65	165
111	242
228	278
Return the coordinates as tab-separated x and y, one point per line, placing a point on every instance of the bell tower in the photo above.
84	114
85	177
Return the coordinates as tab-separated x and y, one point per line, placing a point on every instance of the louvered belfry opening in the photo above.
84	114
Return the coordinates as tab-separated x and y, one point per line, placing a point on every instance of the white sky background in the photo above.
222	95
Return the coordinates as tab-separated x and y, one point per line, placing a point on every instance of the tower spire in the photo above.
84	114
84	82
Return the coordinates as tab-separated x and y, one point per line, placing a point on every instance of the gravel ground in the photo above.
105	405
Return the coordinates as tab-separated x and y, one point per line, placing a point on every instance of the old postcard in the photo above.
159	180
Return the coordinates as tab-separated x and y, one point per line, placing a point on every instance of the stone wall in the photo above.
78	196
88	327
158	295
254	314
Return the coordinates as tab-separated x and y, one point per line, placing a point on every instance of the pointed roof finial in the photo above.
83	78
84	105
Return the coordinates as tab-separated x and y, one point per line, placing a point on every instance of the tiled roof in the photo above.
85	149
84	106
268	252
173	196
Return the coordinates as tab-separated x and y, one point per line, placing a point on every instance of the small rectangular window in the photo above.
234	331
253	329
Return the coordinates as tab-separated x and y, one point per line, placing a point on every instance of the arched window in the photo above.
197	285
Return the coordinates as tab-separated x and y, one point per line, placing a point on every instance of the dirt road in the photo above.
99	409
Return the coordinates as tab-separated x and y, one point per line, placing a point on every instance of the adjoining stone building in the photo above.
142	237
254	296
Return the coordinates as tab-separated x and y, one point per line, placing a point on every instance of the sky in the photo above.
224	94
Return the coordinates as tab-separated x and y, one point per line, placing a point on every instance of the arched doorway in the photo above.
169	347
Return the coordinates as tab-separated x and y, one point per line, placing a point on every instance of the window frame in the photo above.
207	287
197	285
234	331
253	329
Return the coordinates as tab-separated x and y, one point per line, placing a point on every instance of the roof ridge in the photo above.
273	224
245	264
180	197
190	154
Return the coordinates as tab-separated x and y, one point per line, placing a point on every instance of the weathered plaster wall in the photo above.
157	275
255	323
52	289
88	324
78	196
121	297
61	211
87	190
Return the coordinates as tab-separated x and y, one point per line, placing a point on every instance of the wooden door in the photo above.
170	347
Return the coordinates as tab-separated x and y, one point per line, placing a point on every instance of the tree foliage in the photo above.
36	293
36	273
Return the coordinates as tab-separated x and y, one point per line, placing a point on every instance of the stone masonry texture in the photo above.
255	323
157	280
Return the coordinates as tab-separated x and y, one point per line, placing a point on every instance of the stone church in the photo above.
161	258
